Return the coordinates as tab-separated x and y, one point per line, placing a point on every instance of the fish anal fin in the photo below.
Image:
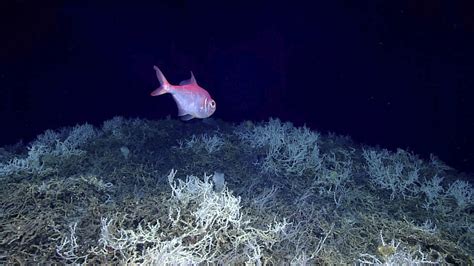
187	117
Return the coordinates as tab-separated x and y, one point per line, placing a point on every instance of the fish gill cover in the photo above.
141	191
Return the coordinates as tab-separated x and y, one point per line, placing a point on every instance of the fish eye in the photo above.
212	103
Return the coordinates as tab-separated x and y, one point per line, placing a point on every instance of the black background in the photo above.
394	73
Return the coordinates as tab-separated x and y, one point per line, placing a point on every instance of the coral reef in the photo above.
140	191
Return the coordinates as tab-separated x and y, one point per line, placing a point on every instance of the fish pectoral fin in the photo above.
187	117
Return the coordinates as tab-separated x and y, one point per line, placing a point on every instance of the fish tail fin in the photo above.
164	84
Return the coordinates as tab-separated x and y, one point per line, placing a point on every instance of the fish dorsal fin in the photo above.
192	80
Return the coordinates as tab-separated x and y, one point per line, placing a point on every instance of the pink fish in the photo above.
192	100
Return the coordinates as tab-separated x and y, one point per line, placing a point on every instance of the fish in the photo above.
192	100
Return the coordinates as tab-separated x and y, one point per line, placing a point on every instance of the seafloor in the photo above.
169	192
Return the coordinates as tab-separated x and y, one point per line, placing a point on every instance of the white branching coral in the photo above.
209	143
55	145
207	226
289	150
397	172
462	192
